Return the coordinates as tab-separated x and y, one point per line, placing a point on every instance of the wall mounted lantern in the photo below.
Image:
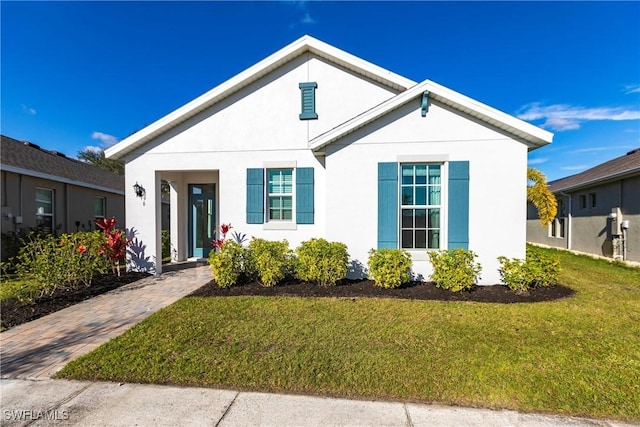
139	190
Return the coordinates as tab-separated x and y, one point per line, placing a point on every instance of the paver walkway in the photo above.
40	348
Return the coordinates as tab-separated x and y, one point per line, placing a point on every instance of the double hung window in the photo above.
420	206
280	194
44	209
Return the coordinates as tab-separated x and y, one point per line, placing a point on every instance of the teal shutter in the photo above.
304	195
255	196
458	205
308	95
387	205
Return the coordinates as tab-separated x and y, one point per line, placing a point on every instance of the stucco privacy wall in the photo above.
497	181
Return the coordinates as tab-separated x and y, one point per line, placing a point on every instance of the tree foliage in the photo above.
542	198
97	158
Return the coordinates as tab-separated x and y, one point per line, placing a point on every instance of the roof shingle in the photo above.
27	156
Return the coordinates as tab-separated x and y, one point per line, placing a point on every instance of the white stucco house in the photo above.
315	142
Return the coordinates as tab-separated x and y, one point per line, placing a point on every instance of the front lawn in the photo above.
576	356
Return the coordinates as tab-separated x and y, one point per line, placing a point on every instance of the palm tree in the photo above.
542	198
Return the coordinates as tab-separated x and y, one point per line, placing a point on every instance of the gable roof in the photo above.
533	135
408	89
302	45
28	159
619	167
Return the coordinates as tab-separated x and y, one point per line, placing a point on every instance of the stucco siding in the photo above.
497	183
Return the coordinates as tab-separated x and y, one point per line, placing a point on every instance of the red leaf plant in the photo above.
116	244
224	229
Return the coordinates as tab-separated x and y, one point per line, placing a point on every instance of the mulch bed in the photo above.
367	289
14	312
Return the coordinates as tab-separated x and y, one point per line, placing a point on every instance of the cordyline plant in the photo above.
115	247
224	229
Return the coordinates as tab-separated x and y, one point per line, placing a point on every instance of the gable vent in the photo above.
308	95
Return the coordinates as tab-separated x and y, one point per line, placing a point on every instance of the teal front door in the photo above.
202	219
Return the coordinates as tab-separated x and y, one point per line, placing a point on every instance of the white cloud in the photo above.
28	110
106	139
92	148
631	89
307	19
538	161
604	148
574	168
561	117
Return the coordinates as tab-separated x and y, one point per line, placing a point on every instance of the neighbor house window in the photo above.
420	193
280	194
99	207
44	209
583	201
592	200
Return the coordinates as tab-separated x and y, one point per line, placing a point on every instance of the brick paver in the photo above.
40	348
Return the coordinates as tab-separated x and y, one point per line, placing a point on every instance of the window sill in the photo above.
280	226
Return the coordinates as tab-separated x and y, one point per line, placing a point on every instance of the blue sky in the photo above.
78	74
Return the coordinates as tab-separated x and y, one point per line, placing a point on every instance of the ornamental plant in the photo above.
536	270
115	247
321	261
389	268
226	263
454	269
65	262
271	260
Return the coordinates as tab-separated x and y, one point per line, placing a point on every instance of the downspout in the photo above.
569	216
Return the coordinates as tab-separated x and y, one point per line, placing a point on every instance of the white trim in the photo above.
280	165
251	74
534	135
423	158
55	178
280	225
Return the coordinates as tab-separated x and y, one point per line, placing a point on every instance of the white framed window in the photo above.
99	207
44	209
280	195
420	206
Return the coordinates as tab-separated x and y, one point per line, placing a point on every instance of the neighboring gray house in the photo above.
598	211
46	189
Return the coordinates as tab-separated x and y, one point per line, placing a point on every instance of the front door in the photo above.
202	220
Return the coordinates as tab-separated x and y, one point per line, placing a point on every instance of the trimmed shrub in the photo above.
226	263
321	261
166	244
269	260
536	270
389	268
454	269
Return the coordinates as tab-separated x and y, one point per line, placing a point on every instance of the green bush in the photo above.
269	260
454	269
321	261
536	270
67	261
226	263
389	268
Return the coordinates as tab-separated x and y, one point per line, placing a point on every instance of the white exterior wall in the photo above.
260	125
497	185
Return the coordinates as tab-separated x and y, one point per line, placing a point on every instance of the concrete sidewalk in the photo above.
61	403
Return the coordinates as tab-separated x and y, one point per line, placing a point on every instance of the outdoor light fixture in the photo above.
139	189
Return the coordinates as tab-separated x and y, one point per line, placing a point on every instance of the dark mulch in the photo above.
14	312
366	289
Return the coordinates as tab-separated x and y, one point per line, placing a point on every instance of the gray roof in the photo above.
24	156
620	167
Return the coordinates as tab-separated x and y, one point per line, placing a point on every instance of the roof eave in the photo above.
251	74
597	181
533	136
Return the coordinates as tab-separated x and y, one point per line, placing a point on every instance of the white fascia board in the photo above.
246	77
536	136
524	130
41	175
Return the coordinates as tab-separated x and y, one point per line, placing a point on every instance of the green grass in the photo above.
578	356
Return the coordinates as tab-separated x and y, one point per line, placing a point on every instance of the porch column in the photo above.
178	220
